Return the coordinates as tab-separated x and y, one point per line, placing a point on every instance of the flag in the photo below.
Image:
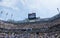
1	12
11	15
58	9
6	14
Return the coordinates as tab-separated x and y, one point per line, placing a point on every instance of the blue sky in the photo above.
21	8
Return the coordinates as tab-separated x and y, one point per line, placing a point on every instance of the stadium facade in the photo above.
31	28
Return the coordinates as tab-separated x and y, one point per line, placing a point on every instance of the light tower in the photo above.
58	10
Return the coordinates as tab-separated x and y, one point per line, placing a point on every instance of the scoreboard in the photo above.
32	16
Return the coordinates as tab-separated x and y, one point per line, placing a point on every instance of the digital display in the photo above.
32	16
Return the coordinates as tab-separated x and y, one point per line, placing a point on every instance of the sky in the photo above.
19	9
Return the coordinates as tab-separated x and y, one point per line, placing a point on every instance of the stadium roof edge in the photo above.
35	20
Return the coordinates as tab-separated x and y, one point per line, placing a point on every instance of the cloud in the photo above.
42	7
32	4
50	4
10	4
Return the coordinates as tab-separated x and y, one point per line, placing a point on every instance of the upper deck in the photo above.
31	24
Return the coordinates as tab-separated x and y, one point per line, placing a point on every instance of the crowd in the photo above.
28	35
15	36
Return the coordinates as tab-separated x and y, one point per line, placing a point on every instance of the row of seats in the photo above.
30	35
14	35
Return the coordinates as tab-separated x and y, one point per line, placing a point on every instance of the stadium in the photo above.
32	27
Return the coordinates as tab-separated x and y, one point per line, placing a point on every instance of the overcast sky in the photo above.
21	8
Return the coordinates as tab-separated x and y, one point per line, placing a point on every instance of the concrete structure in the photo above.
37	28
